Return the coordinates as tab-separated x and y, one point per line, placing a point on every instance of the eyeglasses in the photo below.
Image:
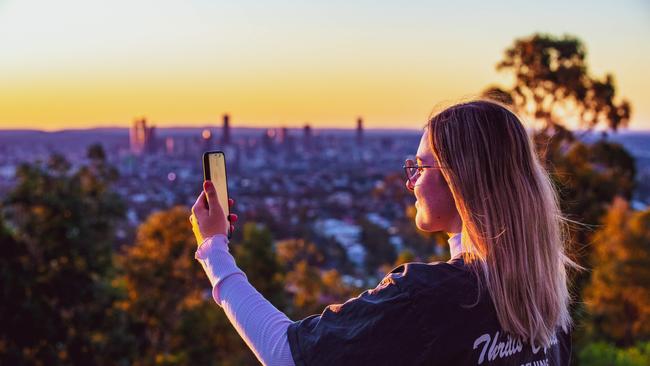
413	171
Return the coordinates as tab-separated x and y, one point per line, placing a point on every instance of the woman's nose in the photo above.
409	185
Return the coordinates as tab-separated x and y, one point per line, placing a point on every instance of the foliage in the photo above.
310	287
56	265
618	296
169	298
605	354
256	257
378	247
552	78
590	176
291	251
405	256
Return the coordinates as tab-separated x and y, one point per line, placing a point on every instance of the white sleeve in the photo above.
262	326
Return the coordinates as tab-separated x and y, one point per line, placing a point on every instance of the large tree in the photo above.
552	83
618	296
56	265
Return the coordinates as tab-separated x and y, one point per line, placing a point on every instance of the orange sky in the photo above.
77	64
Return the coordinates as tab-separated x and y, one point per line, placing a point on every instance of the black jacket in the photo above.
415	317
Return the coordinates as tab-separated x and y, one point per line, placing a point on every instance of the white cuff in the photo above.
217	262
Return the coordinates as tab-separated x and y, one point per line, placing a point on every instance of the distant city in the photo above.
324	179
300	181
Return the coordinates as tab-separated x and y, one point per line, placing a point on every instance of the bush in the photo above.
606	354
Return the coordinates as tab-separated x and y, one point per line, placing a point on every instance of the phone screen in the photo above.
215	171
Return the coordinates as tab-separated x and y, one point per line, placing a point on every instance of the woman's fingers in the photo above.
199	208
213	200
207	205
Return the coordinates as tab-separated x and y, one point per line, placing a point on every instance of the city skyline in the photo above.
84	64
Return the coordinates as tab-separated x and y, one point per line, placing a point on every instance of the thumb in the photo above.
211	192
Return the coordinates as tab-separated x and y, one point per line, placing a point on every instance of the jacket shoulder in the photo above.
416	277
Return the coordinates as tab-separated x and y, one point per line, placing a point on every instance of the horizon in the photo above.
620	131
200	127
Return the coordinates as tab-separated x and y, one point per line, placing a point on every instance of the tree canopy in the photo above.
552	84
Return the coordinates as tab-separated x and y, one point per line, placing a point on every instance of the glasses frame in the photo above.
418	167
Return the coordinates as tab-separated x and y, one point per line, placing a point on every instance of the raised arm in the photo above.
262	326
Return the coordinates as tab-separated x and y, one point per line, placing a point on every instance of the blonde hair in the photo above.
511	216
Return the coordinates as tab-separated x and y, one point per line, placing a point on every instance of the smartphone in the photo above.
214	170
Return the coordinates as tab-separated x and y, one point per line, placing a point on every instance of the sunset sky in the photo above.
88	63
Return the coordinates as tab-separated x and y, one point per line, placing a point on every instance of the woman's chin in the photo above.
422	224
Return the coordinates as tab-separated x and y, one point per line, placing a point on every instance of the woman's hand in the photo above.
207	216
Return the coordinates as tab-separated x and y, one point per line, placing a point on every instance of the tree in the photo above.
56	237
604	354
256	257
405	256
376	241
618	296
16	299
304	283
590	176
552	84
552	77
169	298
311	287
291	251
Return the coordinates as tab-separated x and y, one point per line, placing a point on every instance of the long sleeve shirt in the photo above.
260	324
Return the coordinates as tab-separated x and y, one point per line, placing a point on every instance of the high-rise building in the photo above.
169	145
225	138
286	140
283	135
142	138
268	139
306	136
359	130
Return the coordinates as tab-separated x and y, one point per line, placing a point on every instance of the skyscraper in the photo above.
169	145
268	139
286	140
225	138
283	135
142	138
359	130
306	136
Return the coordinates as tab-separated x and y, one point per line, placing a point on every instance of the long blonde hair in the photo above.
510	214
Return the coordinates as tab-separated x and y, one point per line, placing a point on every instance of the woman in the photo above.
502	299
